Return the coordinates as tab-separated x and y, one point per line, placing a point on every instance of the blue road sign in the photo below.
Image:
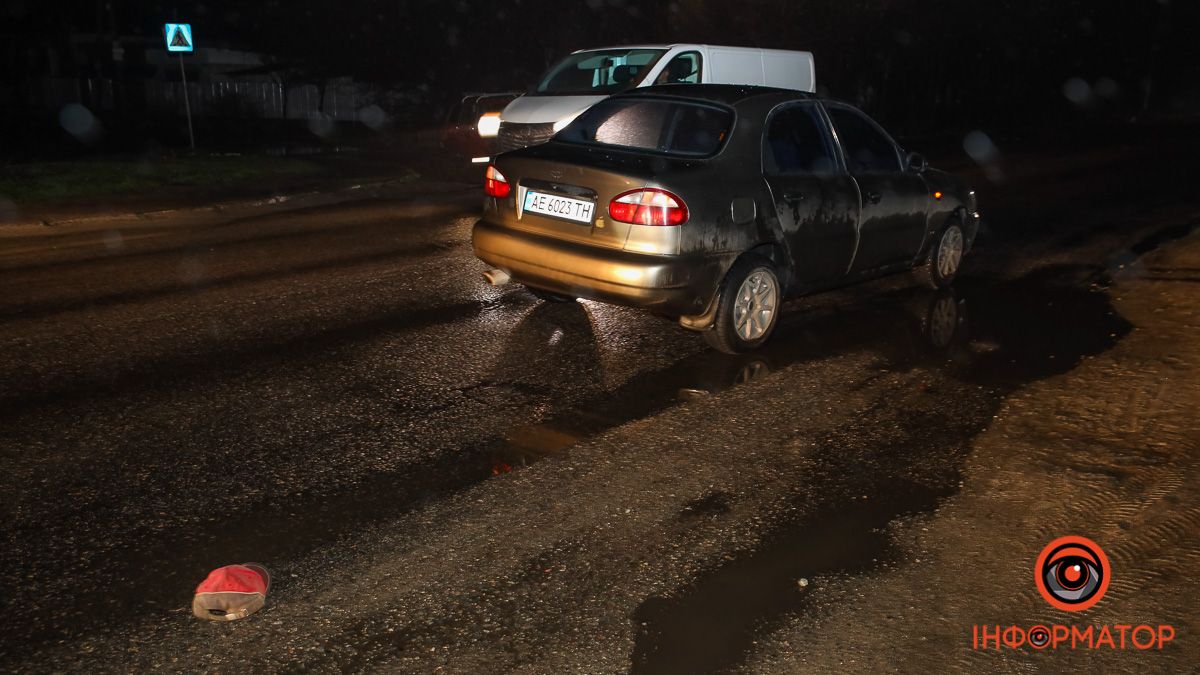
179	37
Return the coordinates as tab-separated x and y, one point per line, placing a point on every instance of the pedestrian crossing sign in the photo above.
179	37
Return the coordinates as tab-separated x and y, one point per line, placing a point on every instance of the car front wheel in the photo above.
945	257
748	309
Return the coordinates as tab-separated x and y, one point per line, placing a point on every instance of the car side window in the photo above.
796	142
683	69
866	148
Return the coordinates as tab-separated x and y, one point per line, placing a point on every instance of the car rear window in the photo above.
671	127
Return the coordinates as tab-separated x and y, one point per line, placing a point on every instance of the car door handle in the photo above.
872	197
791	197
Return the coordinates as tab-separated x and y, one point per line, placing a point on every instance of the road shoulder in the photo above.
1109	451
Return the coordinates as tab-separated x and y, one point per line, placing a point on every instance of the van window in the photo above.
797	142
604	71
867	149
671	127
683	69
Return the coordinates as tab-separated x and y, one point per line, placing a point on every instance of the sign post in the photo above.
179	39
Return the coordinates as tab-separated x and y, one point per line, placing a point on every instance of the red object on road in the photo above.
232	592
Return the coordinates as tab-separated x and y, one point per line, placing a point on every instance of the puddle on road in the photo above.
1017	332
1163	236
708	630
997	334
1120	264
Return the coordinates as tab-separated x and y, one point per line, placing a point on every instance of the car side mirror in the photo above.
916	162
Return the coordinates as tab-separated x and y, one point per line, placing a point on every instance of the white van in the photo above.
587	76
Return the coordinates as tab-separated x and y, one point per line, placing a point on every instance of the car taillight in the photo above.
648	206
494	183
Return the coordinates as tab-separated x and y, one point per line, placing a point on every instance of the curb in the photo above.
301	199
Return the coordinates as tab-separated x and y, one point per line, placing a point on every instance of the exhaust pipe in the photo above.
497	277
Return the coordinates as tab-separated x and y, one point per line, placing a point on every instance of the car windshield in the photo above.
671	127
605	71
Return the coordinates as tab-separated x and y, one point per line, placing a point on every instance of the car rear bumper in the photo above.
672	284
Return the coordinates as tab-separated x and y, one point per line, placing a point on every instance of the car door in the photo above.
892	199
815	200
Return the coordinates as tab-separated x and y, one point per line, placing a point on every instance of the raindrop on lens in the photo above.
8	209
80	123
373	117
979	147
113	241
191	270
1077	91
321	125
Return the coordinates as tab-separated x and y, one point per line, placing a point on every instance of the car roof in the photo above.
727	94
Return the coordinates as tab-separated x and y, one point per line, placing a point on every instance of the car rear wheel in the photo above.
547	296
748	309
945	257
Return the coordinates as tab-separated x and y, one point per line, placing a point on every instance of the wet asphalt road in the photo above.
445	474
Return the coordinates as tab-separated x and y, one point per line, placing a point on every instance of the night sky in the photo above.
921	66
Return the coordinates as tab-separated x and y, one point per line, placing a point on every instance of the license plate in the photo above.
578	210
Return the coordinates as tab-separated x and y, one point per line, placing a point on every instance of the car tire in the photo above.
748	310
945	257
548	296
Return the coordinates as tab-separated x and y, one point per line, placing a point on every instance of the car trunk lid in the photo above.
539	175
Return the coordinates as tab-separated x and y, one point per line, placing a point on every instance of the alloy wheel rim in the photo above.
755	306
950	251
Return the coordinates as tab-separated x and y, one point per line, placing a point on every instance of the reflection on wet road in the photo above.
1003	334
